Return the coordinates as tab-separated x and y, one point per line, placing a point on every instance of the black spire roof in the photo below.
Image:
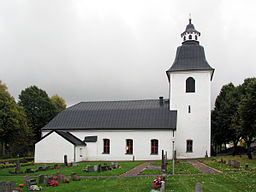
190	28
190	56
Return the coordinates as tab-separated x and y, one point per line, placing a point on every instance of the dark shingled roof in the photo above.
115	115
190	56
68	136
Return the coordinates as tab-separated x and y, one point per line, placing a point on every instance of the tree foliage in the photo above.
38	108
15	135
234	114
58	102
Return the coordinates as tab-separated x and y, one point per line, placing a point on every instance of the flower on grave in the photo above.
21	185
177	162
157	183
58	167
18	189
55	178
35	188
53	183
76	179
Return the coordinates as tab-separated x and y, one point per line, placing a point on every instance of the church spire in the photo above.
190	33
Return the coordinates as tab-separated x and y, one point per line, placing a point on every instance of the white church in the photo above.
140	129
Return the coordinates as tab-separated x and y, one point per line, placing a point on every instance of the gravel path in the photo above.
203	168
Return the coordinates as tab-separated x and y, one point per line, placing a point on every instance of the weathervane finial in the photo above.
190	18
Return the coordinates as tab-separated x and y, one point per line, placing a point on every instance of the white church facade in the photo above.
140	129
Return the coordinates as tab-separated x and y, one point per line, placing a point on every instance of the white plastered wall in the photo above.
52	149
141	144
194	125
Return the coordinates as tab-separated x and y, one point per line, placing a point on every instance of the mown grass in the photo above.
226	168
179	168
235	182
125	166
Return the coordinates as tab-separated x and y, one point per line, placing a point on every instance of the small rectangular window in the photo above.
129	146
189	145
154	146
106	146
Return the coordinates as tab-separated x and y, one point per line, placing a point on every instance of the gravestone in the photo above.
233	163
237	164
104	168
229	162
47	168
99	168
55	166
9	186
59	176
17	169
32	182
48	179
3	186
40	179
117	165
25	180
246	166
65	160
224	161
95	167
198	187
90	168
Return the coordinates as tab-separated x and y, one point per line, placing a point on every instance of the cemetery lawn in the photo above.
226	168
234	182
125	166
180	168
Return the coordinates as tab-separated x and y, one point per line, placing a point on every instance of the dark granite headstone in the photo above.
90	168
40	179
246	166
99	168
65	160
55	166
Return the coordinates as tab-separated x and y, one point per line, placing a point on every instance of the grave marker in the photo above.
17	169
59	176
3	186
65	160
198	187
246	166
9	186
25	181
40	179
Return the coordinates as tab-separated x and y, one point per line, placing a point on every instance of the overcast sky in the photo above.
87	50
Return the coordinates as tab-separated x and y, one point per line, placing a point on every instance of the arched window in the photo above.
190	36
154	146
190	85
195	37
184	38
189	145
129	146
106	146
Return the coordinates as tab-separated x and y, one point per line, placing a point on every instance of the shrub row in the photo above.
2	166
13	160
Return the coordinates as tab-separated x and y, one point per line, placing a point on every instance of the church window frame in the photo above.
189	146
129	146
154	147
190	37
190	85
106	146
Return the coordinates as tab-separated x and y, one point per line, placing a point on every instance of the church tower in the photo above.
190	79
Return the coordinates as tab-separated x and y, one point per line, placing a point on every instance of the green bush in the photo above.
3	166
